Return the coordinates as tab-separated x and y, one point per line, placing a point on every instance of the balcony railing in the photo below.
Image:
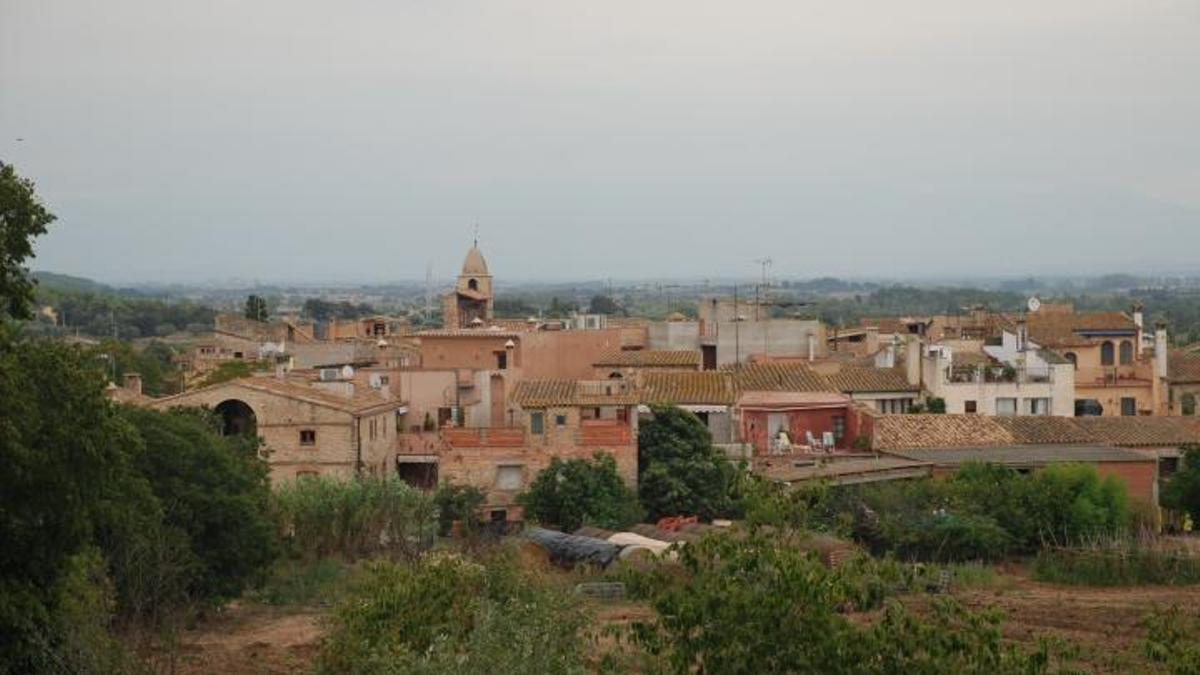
997	375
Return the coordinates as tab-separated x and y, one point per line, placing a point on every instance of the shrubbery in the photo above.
319	516
571	493
458	503
1117	562
679	470
448	614
755	606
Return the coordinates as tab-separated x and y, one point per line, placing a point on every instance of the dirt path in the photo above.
251	641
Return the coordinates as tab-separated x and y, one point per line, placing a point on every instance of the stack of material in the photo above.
567	549
636	542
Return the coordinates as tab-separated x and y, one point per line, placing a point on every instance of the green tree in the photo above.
22	218
680	472
571	493
214	489
602	304
1181	492
458	502
256	308
63	449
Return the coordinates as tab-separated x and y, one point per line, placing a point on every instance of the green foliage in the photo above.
680	472
1117	562
305	583
256	308
448	614
22	219
1181	492
571	493
458	502
154	363
935	406
215	490
63	449
320	516
755	606
1173	640
326	310
602	304
232	370
86	609
97	312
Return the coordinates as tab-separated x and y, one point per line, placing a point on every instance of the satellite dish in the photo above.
1034	304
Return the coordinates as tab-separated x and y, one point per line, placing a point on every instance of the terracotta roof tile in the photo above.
651	358
857	379
714	387
898	432
1064	329
1183	366
546	393
777	377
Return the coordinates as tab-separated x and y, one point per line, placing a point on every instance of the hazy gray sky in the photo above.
357	140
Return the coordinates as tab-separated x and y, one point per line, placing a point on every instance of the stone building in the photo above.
470	303
308	427
1184	378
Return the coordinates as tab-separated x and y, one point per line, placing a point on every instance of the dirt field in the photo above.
1103	622
251	640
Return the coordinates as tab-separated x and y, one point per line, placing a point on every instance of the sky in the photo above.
362	140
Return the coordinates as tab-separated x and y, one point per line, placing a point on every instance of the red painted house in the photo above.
786	422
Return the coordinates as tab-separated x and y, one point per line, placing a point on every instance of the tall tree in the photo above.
680	472
22	218
256	308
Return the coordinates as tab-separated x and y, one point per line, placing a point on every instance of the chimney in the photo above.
1135	311
1160	350
872	339
133	382
812	347
912	360
1022	334
886	357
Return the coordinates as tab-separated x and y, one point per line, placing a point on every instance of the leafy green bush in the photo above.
571	493
458	503
680	472
755	606
303	583
1181	492
321	516
448	614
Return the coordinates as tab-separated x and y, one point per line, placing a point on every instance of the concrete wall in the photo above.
738	341
674	335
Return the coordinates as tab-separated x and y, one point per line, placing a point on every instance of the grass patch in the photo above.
1117	563
978	575
306	583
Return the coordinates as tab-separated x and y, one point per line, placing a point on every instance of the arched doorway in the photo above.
237	417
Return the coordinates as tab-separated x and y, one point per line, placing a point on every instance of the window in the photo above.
1006	407
560	421
1187	404
537	422
839	429
399	422
501	360
510	477
473	284
1037	406
1126	352
1070	356
1128	406
308	437
1106	354
384	380
970	407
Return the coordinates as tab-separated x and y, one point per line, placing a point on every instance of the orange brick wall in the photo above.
1140	478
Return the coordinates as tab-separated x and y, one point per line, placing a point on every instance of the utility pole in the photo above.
764	263
428	291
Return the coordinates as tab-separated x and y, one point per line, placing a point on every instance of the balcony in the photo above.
997	375
506	437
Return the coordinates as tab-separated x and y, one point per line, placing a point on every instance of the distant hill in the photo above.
66	282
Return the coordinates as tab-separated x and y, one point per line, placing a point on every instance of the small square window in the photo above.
308	437
510	477
970	407
1128	406
537	422
560	421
